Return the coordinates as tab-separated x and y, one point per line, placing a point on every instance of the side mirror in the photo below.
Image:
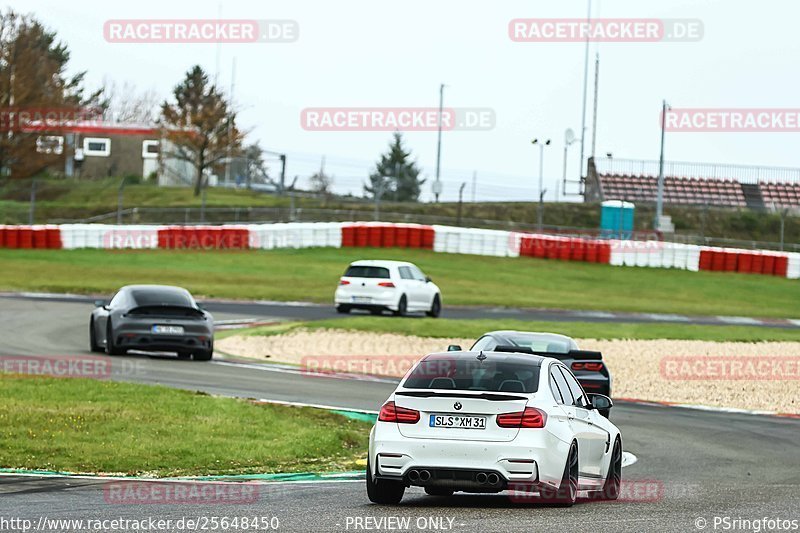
201	307
99	303
600	402
428	279
454	348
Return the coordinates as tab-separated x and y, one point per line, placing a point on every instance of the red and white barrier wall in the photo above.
445	239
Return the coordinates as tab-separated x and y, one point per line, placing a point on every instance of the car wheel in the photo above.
567	492
384	491
402	306
343	309
436	307
438	491
203	355
93	346
613	483
111	349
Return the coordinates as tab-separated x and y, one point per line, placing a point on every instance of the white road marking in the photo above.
722	409
739	320
628	459
237	321
287	369
658	317
317	406
594	314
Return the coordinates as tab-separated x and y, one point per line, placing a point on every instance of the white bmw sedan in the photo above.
395	286
489	422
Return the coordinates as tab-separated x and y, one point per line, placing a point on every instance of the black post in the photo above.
283	173
203	201
460	203
32	212
119	200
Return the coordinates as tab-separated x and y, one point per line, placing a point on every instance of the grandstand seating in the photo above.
780	194
677	190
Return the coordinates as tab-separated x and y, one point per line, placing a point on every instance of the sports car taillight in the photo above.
391	413
531	417
593	367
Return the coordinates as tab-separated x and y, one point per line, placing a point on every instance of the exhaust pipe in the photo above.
413	475
493	479
481	478
424	475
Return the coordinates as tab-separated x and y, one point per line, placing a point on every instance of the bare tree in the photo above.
200	125
126	104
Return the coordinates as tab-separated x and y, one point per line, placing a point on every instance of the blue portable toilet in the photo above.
616	219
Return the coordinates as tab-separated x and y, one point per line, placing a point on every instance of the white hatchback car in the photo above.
395	286
491	421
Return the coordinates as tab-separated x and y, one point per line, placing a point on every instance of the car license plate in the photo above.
362	299
168	330
457	422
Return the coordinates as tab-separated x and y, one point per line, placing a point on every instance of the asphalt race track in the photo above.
692	465
310	311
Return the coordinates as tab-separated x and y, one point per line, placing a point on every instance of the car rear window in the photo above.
367	272
538	344
145	297
491	375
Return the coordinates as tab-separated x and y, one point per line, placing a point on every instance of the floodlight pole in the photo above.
585	86
438	184
540	214
660	194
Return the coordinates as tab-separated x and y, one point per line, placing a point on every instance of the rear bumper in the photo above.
463	479
163	343
536	459
388	300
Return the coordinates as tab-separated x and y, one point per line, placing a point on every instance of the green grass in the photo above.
102	194
472	329
82	425
312	274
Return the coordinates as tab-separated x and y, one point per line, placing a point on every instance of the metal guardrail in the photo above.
740	173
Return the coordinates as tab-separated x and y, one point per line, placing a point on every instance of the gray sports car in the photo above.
152	318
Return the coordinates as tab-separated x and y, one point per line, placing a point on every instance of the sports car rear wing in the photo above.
166	311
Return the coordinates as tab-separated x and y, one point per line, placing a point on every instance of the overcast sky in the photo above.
358	53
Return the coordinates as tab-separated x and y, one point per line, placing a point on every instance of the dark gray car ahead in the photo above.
152	318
